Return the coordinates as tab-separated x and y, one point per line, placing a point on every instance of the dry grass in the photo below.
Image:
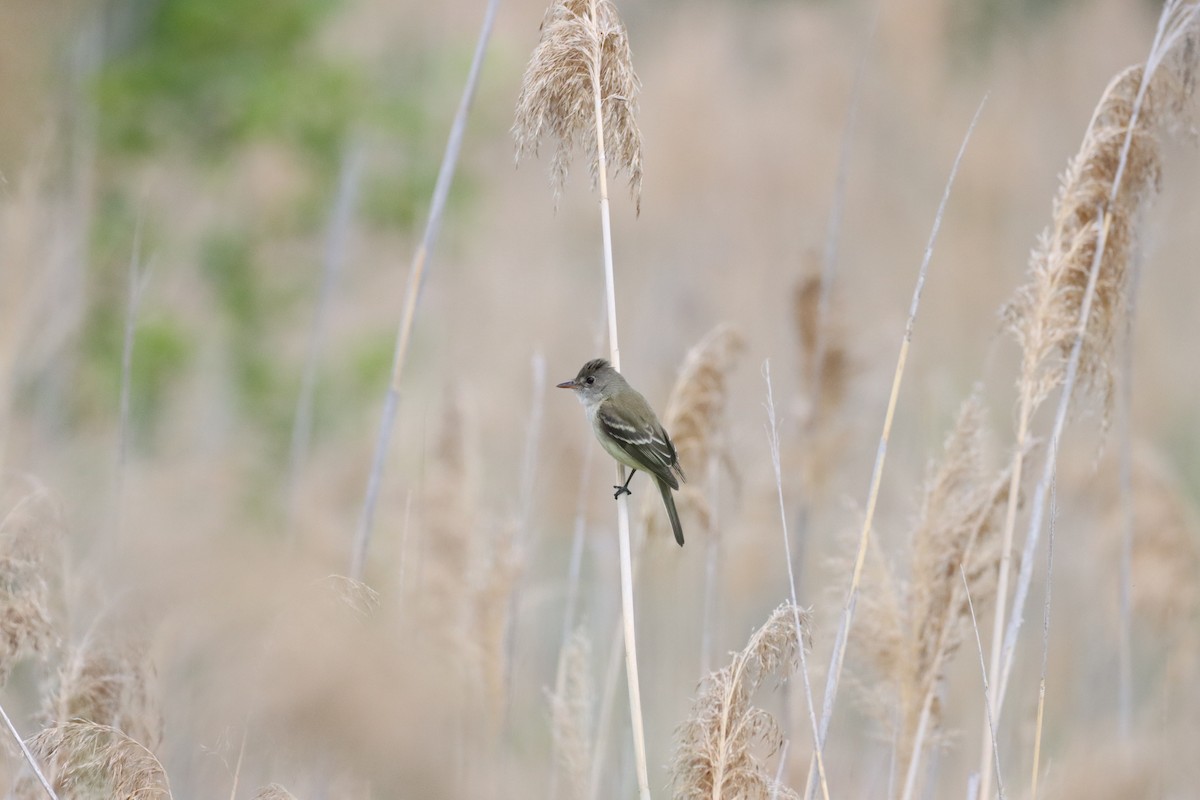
110	682
1044	316
208	647
1166	544
571	712
85	760
273	791
695	418
913	625
721	748
584	49
30	568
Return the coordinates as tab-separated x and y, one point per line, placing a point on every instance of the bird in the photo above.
629	431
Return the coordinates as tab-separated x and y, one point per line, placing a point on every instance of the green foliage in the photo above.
214	73
162	353
976	26
263	388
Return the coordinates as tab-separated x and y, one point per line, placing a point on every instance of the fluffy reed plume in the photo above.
1165	563
719	747
468	576
351	594
85	760
583	52
1065	317
110	682
491	587
30	561
571	707
450	538
912	628
695	417
273	791
825	365
1044	315
823	356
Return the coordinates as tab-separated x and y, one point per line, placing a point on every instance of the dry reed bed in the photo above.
101	724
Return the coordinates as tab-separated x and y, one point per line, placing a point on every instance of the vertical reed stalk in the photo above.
1041	707
334	258
773	442
416	278
837	659
584	44
614	351
28	755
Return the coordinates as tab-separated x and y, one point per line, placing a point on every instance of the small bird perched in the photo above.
628	429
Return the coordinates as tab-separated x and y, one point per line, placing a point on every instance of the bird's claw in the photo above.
620	490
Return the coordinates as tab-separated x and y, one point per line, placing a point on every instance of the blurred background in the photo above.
244	156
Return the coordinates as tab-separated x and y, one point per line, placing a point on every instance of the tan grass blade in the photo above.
837	658
912	628
1074	269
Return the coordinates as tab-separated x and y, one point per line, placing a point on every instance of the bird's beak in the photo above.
566	385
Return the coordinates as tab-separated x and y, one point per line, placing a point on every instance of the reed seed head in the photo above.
716	754
583	53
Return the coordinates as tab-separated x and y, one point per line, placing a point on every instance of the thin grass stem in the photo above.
838	656
416	279
773	442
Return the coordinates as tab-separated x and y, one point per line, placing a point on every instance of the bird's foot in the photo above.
620	490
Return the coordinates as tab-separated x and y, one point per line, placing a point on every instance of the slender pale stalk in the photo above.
525	512
133	300
1171	26
610	292
237	767
1016	617
773	442
983	673
935	668
416	278
608	692
1041	709
839	649
29	759
712	555
334	258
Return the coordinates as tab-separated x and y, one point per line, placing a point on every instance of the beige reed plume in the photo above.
717	749
912	628
1044	315
571	706
1066	316
580	87
695	417
584	51
84	759
110	681
30	563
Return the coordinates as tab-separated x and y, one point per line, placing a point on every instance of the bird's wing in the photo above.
647	445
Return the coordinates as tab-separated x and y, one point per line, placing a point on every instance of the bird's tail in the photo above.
669	502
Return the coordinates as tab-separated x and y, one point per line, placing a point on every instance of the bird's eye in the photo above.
590	380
